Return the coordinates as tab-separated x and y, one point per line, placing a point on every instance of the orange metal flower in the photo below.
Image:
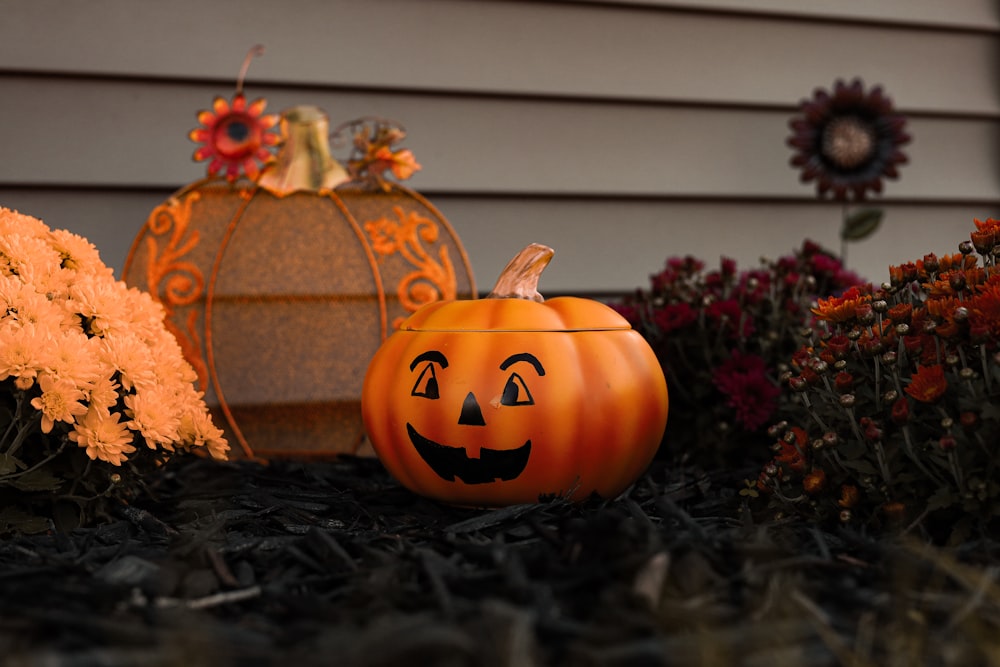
373	155
401	163
235	136
928	384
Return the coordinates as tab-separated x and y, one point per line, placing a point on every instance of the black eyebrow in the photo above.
430	355
523	356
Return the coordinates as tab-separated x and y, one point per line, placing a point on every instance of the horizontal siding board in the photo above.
510	48
600	245
980	15
72	132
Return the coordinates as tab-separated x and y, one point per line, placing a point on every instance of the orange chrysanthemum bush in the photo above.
720	336
94	391
898	395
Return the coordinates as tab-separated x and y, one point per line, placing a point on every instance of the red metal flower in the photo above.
848	141
235	137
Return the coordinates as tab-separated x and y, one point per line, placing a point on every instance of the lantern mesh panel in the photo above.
287	298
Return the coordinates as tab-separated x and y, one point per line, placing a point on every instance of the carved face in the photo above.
471	461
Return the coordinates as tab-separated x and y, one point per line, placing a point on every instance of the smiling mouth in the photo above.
452	462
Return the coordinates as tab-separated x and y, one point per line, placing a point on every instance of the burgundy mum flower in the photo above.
674	316
848	140
729	316
742	379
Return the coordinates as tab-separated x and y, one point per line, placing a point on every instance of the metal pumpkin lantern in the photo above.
512	399
281	285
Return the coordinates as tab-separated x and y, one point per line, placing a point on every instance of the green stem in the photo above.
843	236
15	418
27	429
51	457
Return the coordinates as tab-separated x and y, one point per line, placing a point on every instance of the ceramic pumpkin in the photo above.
280	286
512	399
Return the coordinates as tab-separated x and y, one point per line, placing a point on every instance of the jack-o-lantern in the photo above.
281	285
512	399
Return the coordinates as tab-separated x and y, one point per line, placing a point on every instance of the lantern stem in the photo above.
256	50
304	161
519	279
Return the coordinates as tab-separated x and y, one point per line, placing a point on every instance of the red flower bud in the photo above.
901	412
843	382
968	419
984	240
798	383
947	442
870	346
871	429
914	344
839	345
979	332
930	263
810	376
901	313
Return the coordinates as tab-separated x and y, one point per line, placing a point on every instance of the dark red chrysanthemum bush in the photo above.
720	335
897	401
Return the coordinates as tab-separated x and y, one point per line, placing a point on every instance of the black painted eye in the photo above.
427	384
515	392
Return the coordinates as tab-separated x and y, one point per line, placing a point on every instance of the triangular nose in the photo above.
471	414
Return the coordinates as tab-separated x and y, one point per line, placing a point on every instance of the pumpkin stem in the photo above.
519	279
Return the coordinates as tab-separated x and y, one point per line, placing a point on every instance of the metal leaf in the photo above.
861	224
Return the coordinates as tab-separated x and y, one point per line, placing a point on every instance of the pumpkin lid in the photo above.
515	305
565	313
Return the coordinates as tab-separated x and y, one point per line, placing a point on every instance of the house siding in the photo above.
619	132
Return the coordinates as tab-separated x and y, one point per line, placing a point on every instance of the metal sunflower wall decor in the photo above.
847	141
283	271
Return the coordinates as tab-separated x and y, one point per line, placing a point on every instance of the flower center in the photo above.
848	142
235	137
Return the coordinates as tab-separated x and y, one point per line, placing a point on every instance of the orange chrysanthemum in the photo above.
943	309
928	384
987	225
841	308
957	262
236	137
984	311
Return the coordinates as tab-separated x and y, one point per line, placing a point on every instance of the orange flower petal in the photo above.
220	106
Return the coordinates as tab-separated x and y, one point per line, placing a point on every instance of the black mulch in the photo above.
334	564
